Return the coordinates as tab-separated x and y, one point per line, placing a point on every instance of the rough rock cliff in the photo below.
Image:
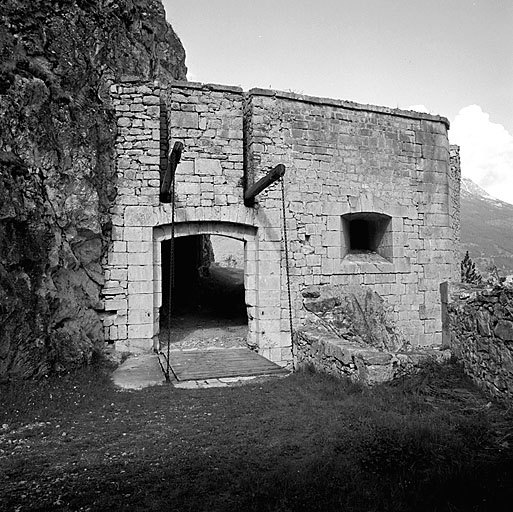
57	60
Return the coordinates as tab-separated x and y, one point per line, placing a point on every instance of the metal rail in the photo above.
287	269
167	195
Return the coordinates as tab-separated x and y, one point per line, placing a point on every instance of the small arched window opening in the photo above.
367	232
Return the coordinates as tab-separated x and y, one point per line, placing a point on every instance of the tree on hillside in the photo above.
469	274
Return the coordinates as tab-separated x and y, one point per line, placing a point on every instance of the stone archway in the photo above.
243	232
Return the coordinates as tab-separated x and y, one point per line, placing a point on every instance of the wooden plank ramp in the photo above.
219	363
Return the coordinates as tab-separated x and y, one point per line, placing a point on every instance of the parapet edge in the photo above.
181	84
292	96
348	105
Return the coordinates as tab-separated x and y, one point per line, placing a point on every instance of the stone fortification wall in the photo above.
128	289
209	201
343	158
454	199
482	336
208	120
351	169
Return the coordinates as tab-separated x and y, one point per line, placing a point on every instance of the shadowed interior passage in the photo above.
208	304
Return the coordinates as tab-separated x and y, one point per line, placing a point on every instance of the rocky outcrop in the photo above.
57	180
354	313
350	333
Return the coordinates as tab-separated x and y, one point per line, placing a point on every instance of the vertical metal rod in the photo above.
171	277
286	244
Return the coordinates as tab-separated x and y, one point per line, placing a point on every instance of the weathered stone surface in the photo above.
321	306
330	149
373	357
504	330
357	361
311	292
355	312
486	353
349	333
483	322
57	174
374	374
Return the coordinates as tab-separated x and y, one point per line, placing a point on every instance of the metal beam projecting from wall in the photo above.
273	175
169	176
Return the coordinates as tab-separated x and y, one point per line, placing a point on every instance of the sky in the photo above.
448	57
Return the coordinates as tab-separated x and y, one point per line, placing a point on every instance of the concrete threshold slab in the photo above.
145	370
139	372
225	382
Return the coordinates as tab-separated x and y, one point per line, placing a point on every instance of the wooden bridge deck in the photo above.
219	363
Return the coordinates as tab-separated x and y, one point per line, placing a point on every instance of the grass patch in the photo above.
430	442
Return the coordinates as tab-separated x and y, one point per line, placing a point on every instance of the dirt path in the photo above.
197	331
219	322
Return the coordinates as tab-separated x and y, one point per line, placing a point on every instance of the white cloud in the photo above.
419	108
191	75
486	151
192	71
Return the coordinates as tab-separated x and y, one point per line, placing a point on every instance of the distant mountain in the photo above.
486	228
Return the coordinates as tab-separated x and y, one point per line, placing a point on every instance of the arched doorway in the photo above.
208	306
213	298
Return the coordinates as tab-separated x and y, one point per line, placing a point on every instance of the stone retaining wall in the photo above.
356	361
482	336
348	332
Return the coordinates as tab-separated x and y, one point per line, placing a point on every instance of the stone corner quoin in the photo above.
350	169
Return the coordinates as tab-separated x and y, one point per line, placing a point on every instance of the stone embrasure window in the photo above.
367	234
